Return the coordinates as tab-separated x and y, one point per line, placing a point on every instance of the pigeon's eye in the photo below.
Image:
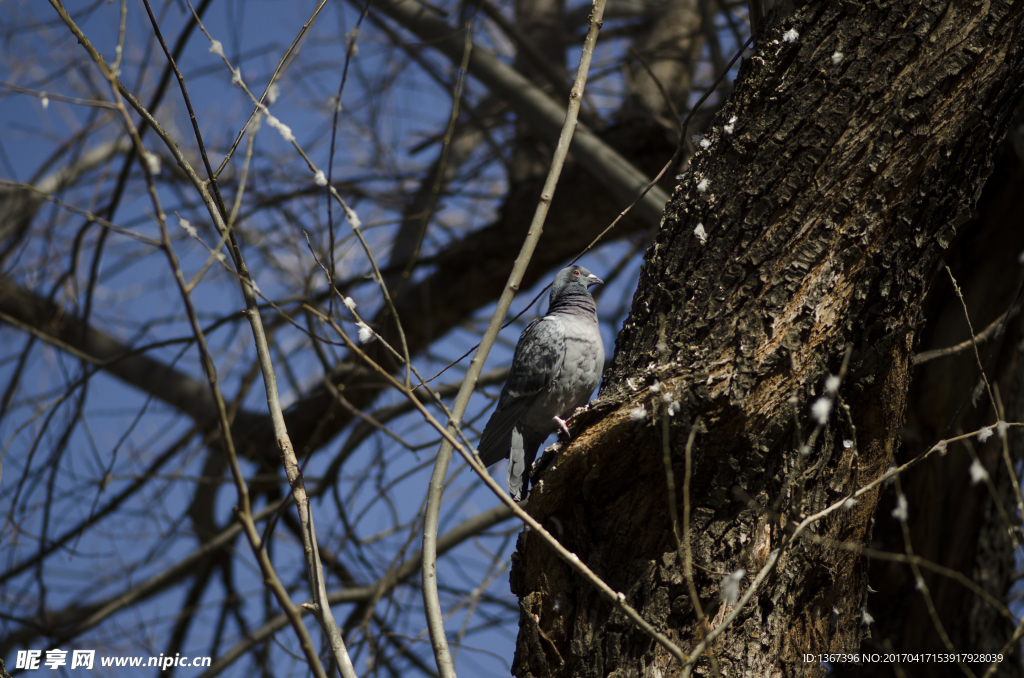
575	272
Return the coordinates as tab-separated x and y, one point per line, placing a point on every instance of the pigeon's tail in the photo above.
496	441
523	450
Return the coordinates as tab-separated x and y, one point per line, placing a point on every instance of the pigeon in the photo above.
556	366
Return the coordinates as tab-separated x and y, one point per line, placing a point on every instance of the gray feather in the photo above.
556	366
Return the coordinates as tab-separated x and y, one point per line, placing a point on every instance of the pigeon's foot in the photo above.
561	425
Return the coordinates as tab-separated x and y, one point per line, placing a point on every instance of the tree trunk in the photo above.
857	141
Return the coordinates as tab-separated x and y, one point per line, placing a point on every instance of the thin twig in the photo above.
996	403
683	541
959	577
984	335
45	96
273	80
974	343
920	583
350	50
89	216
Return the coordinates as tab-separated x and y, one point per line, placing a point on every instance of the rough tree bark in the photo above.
838	173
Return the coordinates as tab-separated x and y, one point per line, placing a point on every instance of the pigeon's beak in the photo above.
594	280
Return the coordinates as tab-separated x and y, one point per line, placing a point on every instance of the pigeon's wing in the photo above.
536	363
537	360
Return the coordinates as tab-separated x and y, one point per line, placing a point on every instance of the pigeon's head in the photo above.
573	279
